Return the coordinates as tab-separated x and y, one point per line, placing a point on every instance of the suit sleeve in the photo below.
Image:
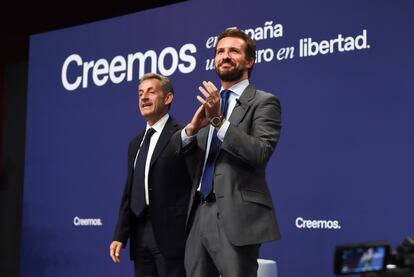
256	147
123	226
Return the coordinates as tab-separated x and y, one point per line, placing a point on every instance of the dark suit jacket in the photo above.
169	192
244	202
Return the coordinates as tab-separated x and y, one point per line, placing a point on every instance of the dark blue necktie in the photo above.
138	183
207	181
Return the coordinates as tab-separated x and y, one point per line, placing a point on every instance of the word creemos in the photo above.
76	72
77	221
302	223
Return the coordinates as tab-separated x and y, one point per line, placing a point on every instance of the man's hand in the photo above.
115	251
198	121
211	102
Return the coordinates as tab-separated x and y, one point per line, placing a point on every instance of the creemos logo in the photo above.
79	73
302	223
77	221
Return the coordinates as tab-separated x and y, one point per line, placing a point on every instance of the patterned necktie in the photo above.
207	180
138	183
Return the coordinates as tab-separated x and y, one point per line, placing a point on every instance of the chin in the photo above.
146	113
229	75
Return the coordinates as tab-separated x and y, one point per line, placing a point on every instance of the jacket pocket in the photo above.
256	197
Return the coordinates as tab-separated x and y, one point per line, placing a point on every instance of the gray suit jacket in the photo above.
244	202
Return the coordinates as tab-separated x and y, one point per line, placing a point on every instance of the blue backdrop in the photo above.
342	172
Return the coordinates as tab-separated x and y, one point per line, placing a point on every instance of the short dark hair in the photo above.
166	84
250	50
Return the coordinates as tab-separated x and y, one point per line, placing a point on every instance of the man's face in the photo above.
153	104
230	60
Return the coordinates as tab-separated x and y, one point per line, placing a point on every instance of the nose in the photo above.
226	54
143	96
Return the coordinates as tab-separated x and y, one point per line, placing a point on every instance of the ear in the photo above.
168	98
249	63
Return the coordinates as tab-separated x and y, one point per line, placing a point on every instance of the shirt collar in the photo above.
159	125
238	88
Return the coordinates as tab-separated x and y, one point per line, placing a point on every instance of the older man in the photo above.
155	199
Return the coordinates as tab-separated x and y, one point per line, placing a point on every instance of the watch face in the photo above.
215	121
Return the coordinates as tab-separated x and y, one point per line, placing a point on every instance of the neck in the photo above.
227	85
152	120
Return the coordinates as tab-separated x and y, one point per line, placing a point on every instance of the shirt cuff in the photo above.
223	130
185	139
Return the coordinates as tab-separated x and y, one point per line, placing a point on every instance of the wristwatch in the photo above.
216	121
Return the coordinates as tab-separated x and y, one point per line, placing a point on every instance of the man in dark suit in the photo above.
231	210
156	194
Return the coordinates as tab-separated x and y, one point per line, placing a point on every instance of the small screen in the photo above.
359	259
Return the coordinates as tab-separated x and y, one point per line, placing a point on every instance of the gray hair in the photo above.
166	85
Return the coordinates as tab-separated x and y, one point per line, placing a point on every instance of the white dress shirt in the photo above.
158	127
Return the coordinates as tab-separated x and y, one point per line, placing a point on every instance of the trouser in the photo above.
149	262
209	253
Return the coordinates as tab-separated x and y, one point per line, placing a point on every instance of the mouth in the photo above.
146	105
227	65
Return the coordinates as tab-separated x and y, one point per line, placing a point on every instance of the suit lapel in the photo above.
135	147
168	130
244	103
132	155
203	137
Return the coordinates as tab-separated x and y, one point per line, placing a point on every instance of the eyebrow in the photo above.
150	88
231	48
